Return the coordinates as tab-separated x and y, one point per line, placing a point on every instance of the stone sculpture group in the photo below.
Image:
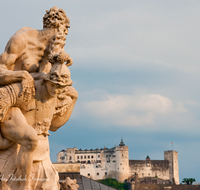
36	95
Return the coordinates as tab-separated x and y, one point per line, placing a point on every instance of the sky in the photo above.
137	71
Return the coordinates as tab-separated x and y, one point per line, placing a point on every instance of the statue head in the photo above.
59	74
69	184
58	78
56	18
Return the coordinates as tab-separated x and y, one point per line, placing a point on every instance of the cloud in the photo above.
132	110
192	102
180	107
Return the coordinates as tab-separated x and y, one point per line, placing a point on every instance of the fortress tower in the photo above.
122	162
172	157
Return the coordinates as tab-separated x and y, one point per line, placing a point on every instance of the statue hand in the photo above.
28	87
66	58
70	91
69	61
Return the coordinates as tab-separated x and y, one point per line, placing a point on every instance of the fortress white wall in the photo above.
114	163
172	156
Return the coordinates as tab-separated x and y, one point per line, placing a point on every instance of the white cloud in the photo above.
180	107
192	102
131	110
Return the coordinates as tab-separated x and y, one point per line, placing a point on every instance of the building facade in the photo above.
114	163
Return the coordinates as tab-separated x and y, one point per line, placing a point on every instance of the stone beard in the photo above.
36	95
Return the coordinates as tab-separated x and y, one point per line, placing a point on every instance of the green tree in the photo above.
114	183
188	181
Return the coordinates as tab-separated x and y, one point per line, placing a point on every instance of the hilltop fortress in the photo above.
114	163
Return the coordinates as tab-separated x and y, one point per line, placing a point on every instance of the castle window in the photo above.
149	173
114	161
97	173
88	162
85	157
88	174
81	157
70	158
108	161
91	156
122	154
88	156
98	156
77	157
105	173
142	174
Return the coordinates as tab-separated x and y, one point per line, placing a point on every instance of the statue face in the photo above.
53	89
66	31
64	28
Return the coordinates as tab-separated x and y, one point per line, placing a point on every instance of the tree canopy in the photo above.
188	181
114	183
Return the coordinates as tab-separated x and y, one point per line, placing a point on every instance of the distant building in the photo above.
114	163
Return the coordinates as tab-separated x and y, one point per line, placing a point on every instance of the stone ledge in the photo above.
67	167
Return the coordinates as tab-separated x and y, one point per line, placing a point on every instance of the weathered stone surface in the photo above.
69	184
36	95
67	167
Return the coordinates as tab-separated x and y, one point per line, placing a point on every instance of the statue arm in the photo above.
14	49
8	77
61	119
5	143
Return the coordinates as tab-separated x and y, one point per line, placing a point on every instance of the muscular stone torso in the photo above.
29	45
39	117
41	113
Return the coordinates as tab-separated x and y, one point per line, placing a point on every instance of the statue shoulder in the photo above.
19	40
25	31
